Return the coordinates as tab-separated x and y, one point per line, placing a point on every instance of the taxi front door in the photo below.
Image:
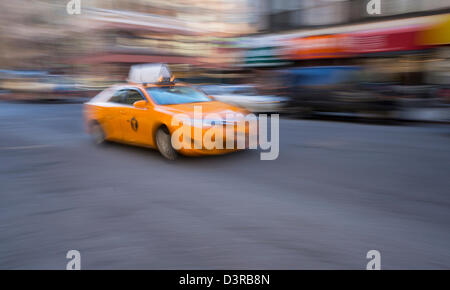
136	125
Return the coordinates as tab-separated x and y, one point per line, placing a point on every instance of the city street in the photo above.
337	190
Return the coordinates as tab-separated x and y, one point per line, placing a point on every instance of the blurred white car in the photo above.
245	96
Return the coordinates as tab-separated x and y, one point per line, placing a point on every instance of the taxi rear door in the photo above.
113	115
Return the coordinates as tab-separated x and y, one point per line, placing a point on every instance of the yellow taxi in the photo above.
152	110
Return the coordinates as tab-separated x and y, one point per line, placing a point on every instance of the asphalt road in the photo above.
337	190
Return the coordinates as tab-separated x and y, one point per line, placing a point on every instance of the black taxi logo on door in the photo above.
134	124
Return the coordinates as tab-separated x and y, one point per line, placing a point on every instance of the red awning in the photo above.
386	40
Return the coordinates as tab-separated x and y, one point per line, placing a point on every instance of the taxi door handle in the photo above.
123	112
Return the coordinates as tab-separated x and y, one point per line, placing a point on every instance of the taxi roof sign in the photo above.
149	73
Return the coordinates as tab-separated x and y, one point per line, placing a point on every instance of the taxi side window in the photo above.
132	97
118	97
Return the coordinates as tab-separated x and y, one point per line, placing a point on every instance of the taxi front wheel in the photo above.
164	143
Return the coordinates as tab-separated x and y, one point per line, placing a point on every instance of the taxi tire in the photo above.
164	143
97	134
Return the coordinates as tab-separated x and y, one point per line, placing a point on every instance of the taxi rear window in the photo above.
170	95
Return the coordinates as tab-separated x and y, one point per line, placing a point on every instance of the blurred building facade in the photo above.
281	15
42	35
393	46
215	40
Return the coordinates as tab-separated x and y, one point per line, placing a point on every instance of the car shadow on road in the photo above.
154	154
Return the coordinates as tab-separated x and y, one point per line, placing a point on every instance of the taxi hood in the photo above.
212	107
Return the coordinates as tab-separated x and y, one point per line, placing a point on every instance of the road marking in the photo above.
26	147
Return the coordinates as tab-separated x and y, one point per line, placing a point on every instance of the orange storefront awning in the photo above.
322	46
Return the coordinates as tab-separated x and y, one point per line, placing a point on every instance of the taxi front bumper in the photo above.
215	143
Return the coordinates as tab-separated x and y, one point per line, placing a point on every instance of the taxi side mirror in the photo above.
142	104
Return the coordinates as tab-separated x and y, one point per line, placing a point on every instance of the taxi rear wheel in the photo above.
97	134
164	143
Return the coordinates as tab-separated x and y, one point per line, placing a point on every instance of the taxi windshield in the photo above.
171	95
